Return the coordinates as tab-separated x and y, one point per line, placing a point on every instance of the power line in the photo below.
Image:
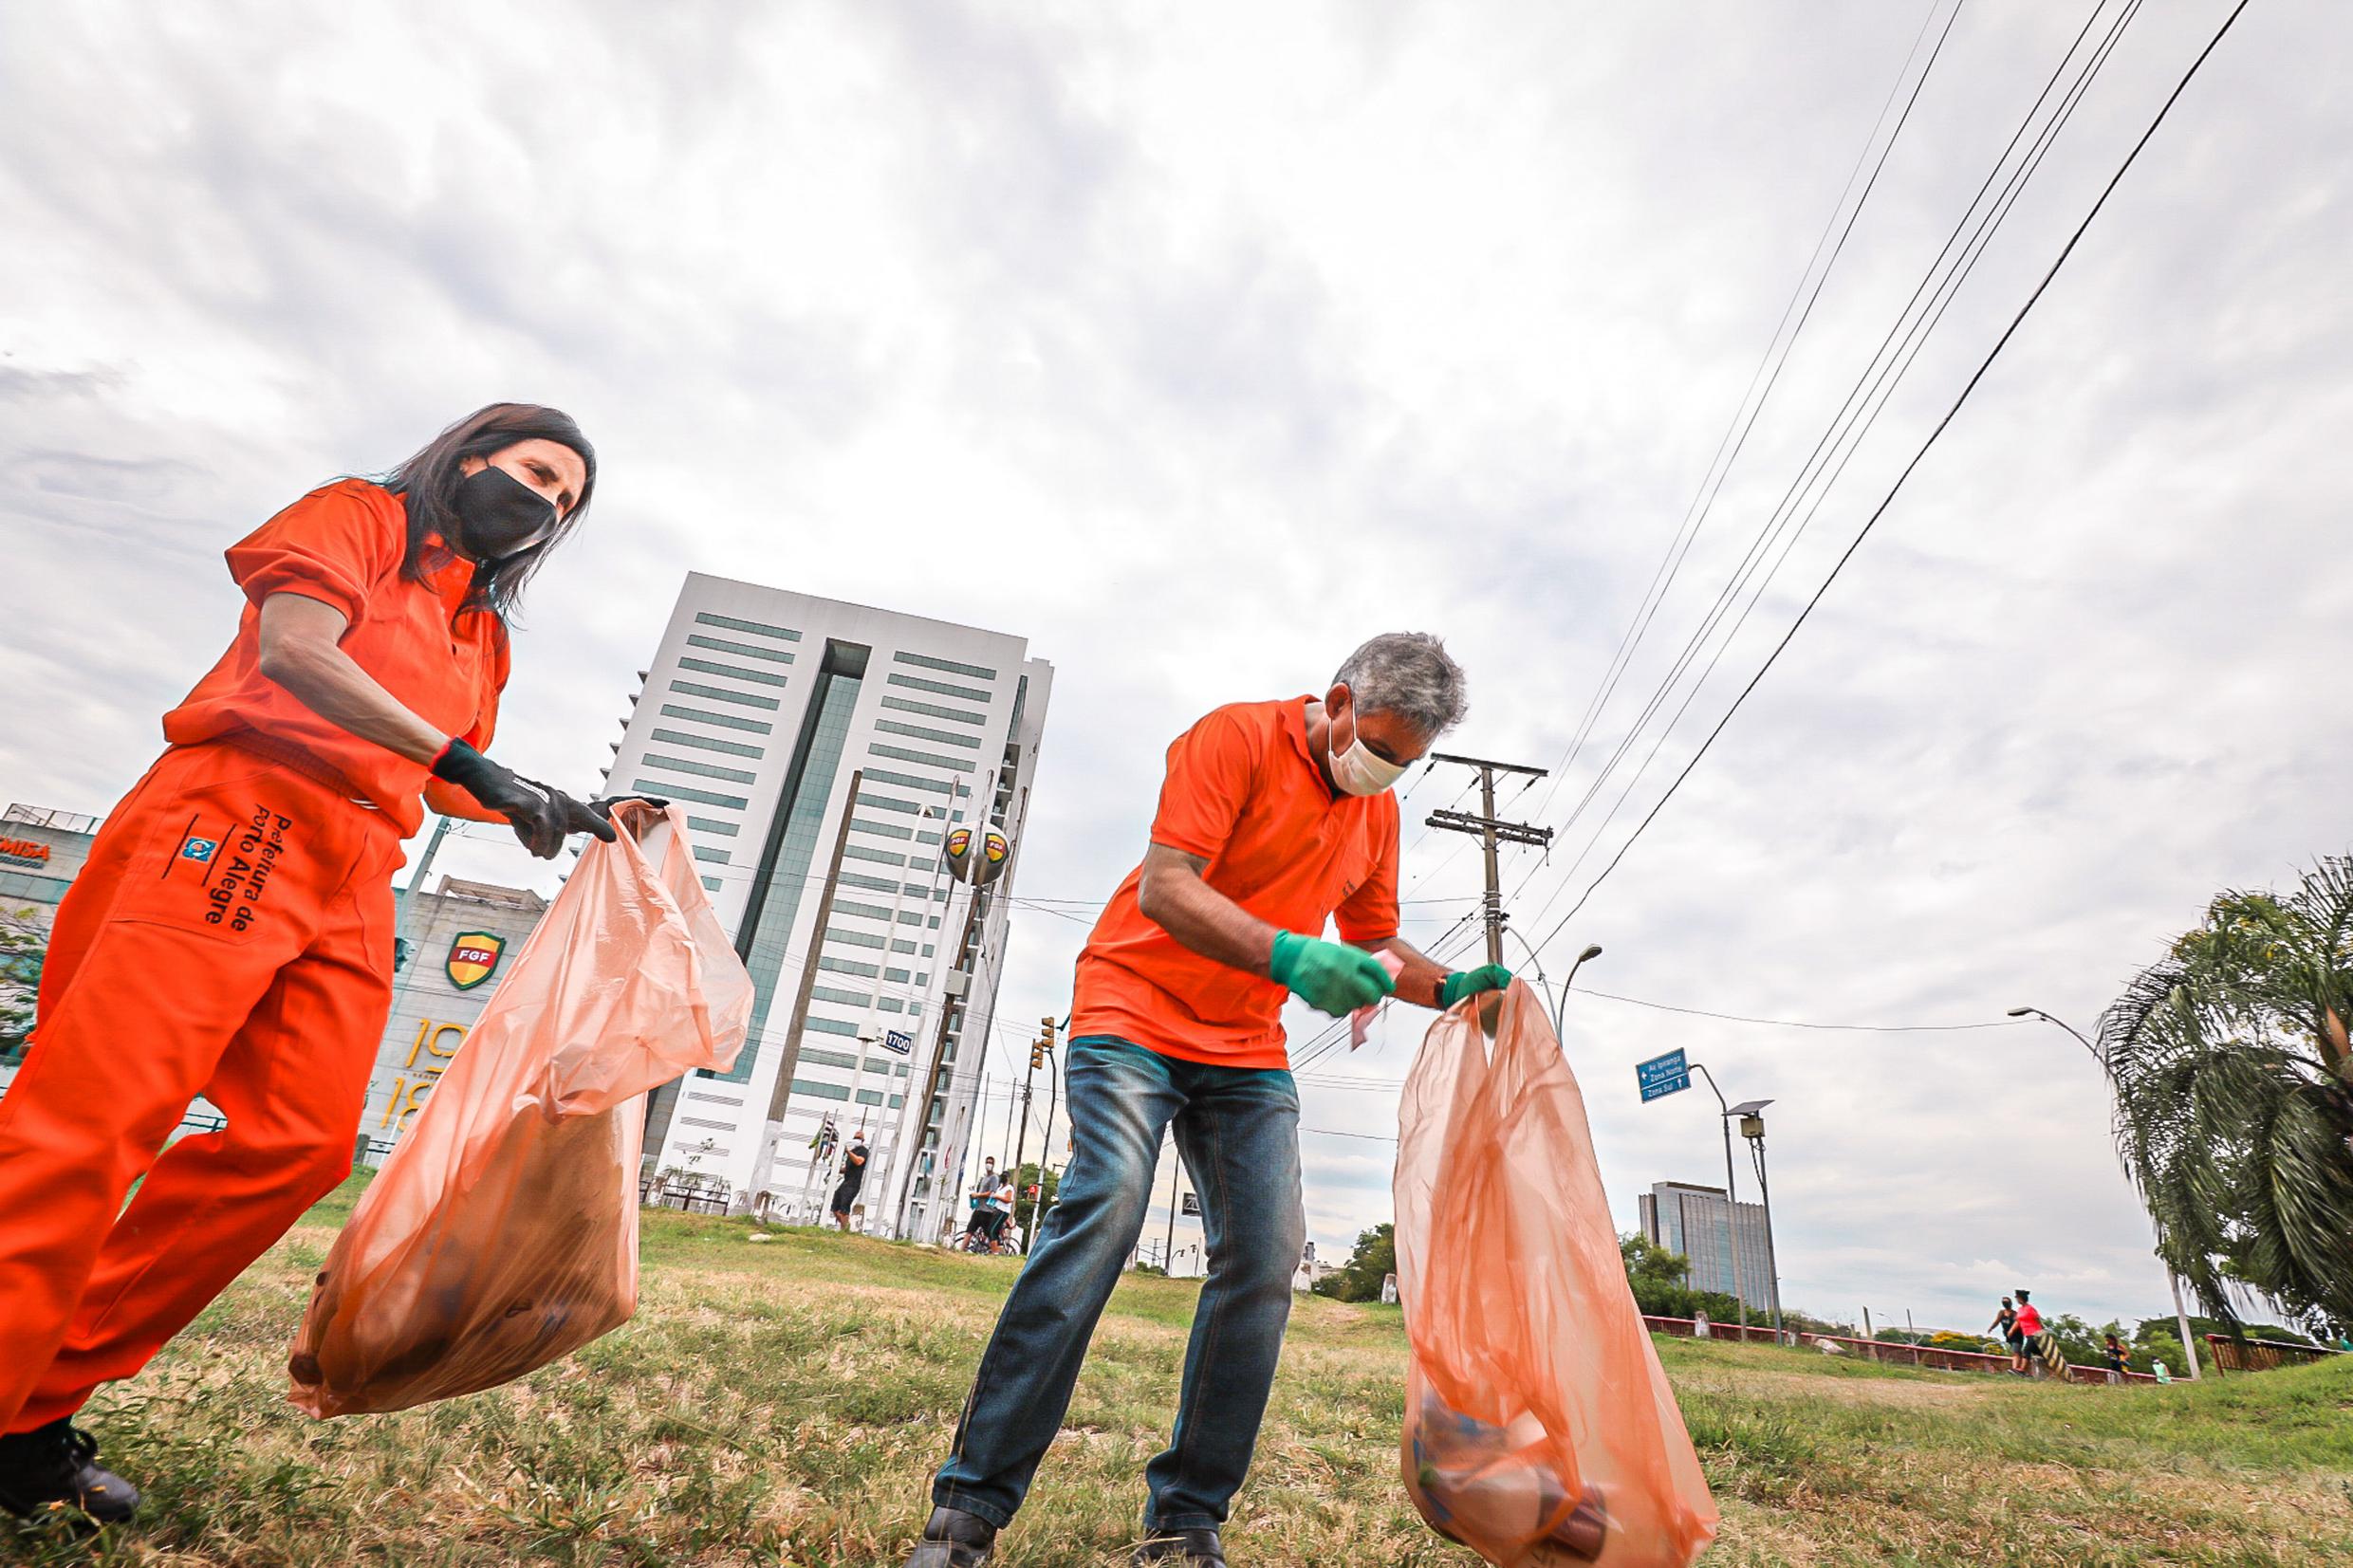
1926	445
1878	380
1745	414
1858	412
1807	1023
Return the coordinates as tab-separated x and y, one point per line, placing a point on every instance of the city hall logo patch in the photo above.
200	849
474	958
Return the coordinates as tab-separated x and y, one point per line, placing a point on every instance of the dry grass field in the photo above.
782	1402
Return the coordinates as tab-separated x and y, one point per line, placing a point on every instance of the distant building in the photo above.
41	853
461	940
1696	1221
822	750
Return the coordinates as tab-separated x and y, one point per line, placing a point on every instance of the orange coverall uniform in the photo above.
231	937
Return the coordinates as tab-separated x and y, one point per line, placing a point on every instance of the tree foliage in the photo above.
1373	1259
1025	1207
2234	1097
1660	1283
22	944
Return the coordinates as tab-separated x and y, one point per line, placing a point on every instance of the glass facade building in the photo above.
823	750
1697	1223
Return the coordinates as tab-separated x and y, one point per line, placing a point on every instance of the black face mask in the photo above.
499	515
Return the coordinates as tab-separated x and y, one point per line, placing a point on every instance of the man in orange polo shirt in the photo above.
1273	818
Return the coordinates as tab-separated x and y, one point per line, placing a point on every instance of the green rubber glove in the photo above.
1462	983
1327	976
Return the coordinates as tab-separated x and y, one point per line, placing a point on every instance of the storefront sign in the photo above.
23	852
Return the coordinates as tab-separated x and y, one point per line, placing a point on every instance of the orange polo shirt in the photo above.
1243	792
343	545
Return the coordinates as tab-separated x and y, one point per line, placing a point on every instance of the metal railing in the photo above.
2263	1355
1890	1352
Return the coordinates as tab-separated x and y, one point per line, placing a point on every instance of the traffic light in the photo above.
1037	1057
1043	1044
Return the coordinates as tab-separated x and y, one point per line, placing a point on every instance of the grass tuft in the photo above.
783	1404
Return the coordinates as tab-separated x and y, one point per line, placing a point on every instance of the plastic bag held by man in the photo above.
503	1231
1539	1429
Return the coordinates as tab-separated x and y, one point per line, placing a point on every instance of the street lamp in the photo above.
2037	1012
1560	1005
2181	1314
1751	1113
1732	1198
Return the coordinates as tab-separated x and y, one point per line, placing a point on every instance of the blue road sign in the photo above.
894	1040
1662	1075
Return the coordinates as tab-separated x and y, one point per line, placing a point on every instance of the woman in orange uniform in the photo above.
231	935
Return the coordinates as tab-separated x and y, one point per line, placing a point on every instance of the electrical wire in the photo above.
1869	384
1926	445
1745	414
1807	1023
1857	413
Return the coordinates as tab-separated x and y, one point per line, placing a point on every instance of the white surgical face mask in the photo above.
1356	771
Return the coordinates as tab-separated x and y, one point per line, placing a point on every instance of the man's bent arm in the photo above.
1419	979
1172	897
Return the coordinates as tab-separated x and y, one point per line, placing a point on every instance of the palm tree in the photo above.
2234	1097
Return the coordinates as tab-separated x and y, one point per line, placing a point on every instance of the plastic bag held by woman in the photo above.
503	1231
1539	1428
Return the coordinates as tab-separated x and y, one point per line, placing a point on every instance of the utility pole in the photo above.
1490	833
1038	1048
416	878
949	1001
403	950
2181	1313
1046	1143
1732	1197
1752	1128
1175	1177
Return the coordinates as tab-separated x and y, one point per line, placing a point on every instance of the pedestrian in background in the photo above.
2006	1324
853	1179
983	1189
2030	1326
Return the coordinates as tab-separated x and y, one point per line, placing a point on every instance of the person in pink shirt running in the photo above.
2030	1341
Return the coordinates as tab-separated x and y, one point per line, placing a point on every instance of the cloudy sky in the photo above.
1195	343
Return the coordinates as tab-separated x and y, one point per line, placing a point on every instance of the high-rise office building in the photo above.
823	751
1697	1223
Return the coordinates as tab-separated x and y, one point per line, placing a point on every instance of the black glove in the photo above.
604	805
541	816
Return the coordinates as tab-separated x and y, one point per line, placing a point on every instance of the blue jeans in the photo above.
1238	1132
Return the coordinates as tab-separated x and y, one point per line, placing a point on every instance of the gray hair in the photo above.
1407	675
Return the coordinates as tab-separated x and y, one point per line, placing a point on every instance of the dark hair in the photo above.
427	486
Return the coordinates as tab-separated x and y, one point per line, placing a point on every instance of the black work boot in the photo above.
52	1469
1181	1549
953	1539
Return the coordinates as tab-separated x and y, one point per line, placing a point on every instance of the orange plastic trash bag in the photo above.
502	1232
1540	1431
